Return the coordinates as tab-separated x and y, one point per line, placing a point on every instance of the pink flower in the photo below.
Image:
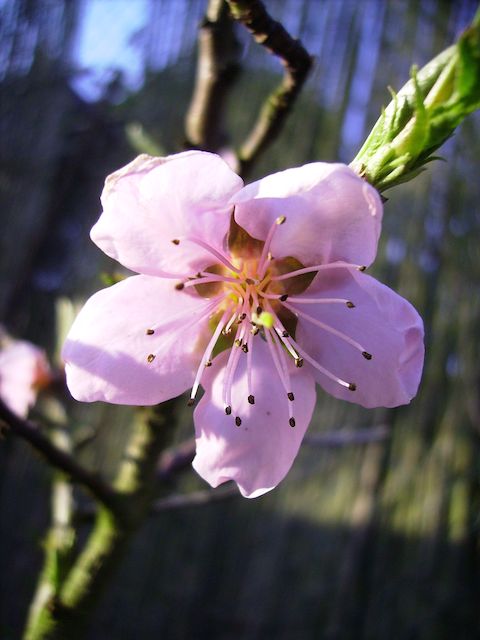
255	294
23	371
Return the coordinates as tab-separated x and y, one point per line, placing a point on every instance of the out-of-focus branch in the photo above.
297	63
217	68
176	459
58	458
346	438
194	499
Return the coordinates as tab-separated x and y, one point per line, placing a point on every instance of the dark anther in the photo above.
259	310
190	402
238	421
290	396
254	331
238	342
151	357
179	286
352	386
284	297
251	399
208	363
363	268
366	355
176	241
242	316
245	348
291	422
299	362
149	332
228	410
285	334
350	304
250	281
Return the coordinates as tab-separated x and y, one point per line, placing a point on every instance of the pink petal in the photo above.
23	370
153	201
386	326
107	348
258	453
332	214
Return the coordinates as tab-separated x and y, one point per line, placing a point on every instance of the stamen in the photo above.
238	421
263	262
284	297
287	344
290	396
319	267
179	286
348	385
275	347
233	359
220	256
330	329
251	399
149	332
292	422
151	357
249	366
207	354
206	280
228	410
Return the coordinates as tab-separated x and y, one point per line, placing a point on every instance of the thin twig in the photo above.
58	458
297	62
217	68
346	438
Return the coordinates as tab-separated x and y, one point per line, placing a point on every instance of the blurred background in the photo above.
362	541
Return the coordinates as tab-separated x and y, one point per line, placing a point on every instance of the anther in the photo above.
250	281
238	421
280	219
245	348
176	241
191	402
299	362
284	298
366	355
238	342
269	256
292	422
362	268
251	399
290	396
149	332
352	386
259	310
150	357
208	363
228	410
285	334
254	330
179	286
350	304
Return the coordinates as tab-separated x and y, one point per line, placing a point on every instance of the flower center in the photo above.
253	298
